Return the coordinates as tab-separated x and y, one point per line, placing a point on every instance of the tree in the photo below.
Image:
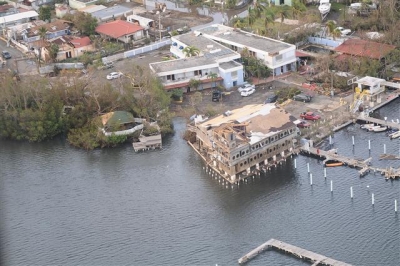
45	13
84	22
53	51
194	83
190	51
42	33
213	76
330	26
283	13
268	19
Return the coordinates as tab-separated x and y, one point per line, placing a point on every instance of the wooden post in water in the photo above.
308	167
395	205
311	179
373	199
369	144
352	138
331	186
351	192
295	163
384	148
325	172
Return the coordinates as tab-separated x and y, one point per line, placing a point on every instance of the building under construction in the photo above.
239	143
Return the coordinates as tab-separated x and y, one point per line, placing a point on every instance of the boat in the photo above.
324	7
367	126
394	135
333	163
378	129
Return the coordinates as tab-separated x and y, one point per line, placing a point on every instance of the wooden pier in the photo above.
301	253
379	122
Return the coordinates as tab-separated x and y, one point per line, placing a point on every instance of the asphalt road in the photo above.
18	60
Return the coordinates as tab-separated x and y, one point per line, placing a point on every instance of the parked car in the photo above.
343	31
246	86
216	96
114	75
271	99
301	123
310	116
302	98
248	91
6	55
107	65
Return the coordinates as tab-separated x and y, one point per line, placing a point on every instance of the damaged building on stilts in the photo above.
244	141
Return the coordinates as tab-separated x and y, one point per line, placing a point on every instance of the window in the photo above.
171	77
279	57
197	73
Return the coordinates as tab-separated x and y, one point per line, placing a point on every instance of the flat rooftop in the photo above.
109	12
208	48
181	64
369	81
229	65
244	38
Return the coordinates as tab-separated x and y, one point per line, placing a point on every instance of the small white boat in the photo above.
394	135
324	7
367	126
378	129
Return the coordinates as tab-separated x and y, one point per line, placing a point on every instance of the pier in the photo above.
301	253
379	122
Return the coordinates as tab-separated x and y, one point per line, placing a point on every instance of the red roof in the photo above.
301	54
118	28
80	42
364	48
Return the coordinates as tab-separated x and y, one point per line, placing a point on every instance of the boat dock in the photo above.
379	122
331	155
301	253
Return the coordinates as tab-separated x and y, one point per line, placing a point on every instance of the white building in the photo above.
18	18
276	55
214	65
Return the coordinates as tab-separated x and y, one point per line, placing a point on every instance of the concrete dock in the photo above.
379	122
301	253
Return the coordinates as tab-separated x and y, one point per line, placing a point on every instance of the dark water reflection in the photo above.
64	206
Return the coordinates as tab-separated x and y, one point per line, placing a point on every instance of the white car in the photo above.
114	75
248	91
245	87
343	31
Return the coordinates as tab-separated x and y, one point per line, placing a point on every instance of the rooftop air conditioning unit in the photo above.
210	46
227	33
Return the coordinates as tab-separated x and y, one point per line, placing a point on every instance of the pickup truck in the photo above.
310	116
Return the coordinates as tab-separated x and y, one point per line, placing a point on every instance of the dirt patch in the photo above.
176	19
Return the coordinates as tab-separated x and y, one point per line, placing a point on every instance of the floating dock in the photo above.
379	122
301	253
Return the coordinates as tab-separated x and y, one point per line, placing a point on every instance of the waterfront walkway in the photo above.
301	253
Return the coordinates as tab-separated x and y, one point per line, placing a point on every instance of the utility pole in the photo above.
159	23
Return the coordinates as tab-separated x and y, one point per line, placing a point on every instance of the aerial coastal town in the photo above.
258	83
252	85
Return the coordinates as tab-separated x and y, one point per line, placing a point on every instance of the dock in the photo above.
148	143
379	122
301	253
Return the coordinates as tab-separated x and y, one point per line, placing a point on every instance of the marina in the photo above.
298	252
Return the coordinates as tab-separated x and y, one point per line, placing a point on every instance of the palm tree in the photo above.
251	16
258	9
190	51
42	32
336	33
213	76
330	25
269	18
283	13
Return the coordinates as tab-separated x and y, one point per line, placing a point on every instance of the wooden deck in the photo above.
301	253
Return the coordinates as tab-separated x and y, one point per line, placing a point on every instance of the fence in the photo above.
326	42
137	51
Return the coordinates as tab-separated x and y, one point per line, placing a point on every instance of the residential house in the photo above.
6	10
215	65
18	18
146	23
69	47
245	140
78	4
112	13
62	10
122	31
93	8
279	56
355	50
53	30
37	3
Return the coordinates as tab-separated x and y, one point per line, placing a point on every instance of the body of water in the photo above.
63	206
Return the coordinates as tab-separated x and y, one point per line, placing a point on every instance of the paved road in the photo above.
24	66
